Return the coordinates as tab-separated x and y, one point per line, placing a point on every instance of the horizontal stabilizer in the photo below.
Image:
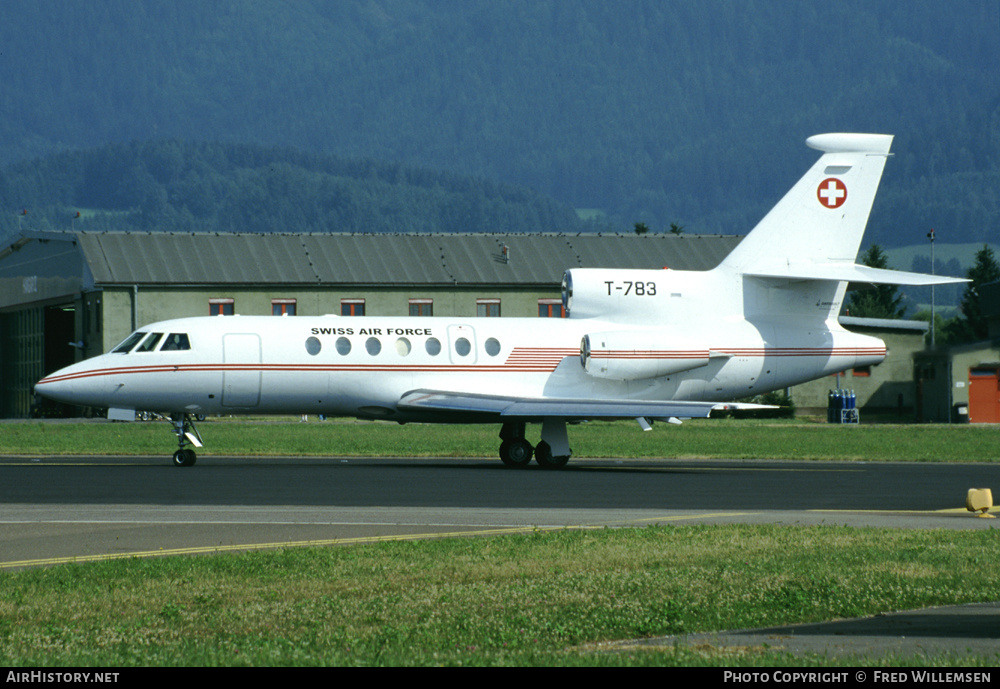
538	408
846	272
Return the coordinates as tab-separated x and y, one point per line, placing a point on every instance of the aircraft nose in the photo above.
77	385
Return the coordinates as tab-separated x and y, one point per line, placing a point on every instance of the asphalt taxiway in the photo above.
60	509
77	509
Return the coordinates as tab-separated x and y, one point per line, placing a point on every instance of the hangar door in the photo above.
984	395
33	343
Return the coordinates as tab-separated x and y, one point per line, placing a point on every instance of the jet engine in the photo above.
639	354
614	293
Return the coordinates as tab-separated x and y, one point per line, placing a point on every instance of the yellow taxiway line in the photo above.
202	550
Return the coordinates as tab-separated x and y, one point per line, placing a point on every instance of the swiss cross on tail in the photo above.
831	193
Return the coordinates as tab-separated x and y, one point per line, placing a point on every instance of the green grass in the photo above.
712	438
547	598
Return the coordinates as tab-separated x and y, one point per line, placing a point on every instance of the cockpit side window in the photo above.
149	344
176	342
128	343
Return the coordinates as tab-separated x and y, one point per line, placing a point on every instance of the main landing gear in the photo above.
552	452
187	434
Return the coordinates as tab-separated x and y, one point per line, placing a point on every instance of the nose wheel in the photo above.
187	434
185	458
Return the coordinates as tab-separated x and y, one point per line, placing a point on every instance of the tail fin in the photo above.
823	218
815	231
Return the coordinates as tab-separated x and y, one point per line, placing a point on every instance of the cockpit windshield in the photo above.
176	342
128	343
149	344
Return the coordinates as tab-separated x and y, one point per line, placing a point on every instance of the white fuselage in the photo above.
363	366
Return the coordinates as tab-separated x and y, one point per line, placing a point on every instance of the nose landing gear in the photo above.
187	434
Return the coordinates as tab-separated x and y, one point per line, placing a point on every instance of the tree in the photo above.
641	228
881	301
972	325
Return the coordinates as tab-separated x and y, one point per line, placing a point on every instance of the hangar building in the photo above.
962	383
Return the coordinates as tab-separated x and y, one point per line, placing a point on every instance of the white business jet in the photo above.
637	344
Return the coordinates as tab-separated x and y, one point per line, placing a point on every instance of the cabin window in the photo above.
462	347
149	344
283	307
403	346
421	307
373	345
343	346
352	307
492	346
313	345
488	308
433	346
128	343
221	307
176	342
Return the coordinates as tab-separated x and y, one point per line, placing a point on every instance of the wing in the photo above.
524	408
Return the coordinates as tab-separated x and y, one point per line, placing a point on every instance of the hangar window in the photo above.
176	342
128	343
352	307
551	308
421	307
343	346
221	307
433	346
282	307
488	308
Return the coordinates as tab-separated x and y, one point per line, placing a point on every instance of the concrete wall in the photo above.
944	378
164	303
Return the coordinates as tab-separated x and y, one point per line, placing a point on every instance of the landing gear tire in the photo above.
187	434
545	459
185	458
516	452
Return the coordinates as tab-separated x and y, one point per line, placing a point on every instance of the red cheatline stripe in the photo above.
648	354
518	362
259	368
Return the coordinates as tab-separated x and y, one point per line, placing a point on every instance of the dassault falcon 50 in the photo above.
636	344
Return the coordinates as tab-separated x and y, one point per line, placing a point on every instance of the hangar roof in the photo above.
380	259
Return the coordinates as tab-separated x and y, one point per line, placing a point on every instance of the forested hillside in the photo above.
651	111
172	186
